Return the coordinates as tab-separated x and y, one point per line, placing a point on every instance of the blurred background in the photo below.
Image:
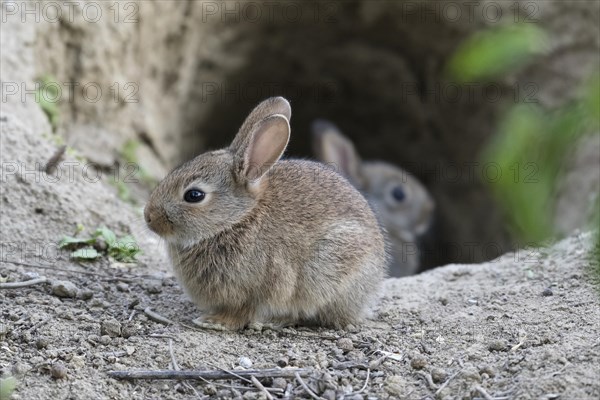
490	104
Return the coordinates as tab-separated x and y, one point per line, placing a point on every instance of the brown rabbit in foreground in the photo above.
255	239
401	202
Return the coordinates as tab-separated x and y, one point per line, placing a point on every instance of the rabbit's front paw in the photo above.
221	322
203	323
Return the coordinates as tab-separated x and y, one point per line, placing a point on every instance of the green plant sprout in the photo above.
47	95
102	241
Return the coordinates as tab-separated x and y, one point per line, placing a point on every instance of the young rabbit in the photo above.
401	202
256	239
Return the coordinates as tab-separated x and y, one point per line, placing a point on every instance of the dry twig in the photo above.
447	382
362	389
18	285
305	387
260	387
202	374
157	317
484	393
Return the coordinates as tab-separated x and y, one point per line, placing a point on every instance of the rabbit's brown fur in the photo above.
404	220
296	243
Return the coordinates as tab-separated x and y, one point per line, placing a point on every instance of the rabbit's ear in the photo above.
267	108
333	148
267	143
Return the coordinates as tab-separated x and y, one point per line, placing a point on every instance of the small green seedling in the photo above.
47	95
103	241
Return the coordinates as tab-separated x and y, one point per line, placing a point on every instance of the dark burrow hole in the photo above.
384	85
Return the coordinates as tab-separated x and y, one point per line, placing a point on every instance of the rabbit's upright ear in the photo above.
266	144
262	138
267	108
335	149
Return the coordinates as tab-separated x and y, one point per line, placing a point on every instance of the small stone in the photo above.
345	344
41	343
283	362
110	327
78	362
488	370
438	375
122	287
279	383
444	301
104	339
329	394
547	292
58	371
470	373
129	350
418	362
154	287
245	362
86	294
64	289
395	385
498	345
128	330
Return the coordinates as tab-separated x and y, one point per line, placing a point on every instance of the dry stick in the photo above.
230	372
37	325
288	391
362	389
484	393
18	285
200	375
260	387
429	380
157	317
173	360
306	388
447	382
275	390
55	159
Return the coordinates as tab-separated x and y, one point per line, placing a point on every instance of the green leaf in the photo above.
87	253
7	386
70	241
491	53
108	235
125	249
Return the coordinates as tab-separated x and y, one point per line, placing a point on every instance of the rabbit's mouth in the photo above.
158	222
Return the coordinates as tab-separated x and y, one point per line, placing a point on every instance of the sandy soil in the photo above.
520	327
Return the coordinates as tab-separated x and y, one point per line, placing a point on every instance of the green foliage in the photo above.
7	386
123	249
532	143
490	53
129	154
47	96
86	253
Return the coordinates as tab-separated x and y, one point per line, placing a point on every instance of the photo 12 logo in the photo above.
71	12
69	92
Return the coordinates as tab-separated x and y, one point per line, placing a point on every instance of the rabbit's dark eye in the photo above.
398	194
194	196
